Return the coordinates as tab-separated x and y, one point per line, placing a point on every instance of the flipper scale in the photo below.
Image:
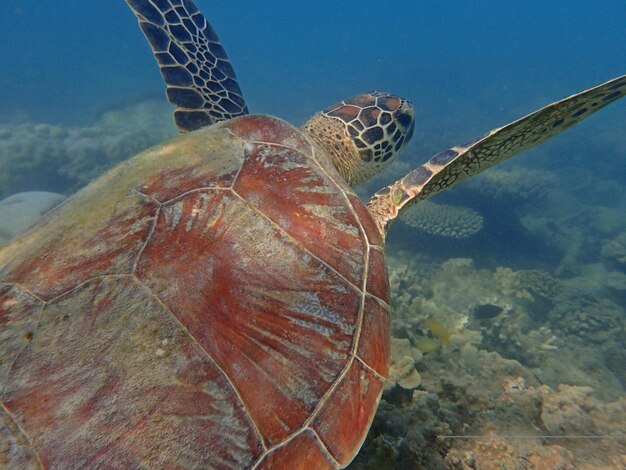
504	142
460	162
200	80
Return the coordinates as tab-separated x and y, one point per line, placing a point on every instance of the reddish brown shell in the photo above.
220	300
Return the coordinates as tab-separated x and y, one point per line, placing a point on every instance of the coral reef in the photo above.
615	250
443	219
587	317
562	421
516	337
616	280
402	367
578	227
500	454
38	156
539	283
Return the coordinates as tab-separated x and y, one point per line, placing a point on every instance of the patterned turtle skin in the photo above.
200	80
374	126
221	300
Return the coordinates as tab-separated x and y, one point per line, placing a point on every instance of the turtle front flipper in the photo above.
200	80
460	162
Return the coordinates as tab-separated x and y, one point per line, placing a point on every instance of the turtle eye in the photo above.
409	131
404	119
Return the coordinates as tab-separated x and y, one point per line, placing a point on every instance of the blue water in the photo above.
68	59
467	67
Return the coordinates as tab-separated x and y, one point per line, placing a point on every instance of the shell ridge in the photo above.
290	438
147	240
369	368
193	339
20	287
322	446
295	241
306	425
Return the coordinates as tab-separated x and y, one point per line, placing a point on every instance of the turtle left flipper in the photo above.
200	80
460	162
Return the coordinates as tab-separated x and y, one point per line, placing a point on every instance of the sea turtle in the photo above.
221	300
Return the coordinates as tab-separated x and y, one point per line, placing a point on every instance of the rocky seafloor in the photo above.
522	363
509	301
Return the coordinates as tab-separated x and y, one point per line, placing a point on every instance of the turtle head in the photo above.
363	134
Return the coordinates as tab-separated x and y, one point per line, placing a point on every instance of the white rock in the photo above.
20	211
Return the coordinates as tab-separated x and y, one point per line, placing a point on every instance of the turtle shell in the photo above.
220	300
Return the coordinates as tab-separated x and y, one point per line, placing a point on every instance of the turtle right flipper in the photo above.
460	162
200	80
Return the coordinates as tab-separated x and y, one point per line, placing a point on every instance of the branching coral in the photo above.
539	283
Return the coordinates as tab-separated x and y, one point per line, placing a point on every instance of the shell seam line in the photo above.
93	278
286	441
243	157
157	213
328	394
324	448
320	405
276	144
345	196
201	189
10	415
357	335
296	242
380	301
369	368
206	353
23	289
146	196
25	345
310	156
